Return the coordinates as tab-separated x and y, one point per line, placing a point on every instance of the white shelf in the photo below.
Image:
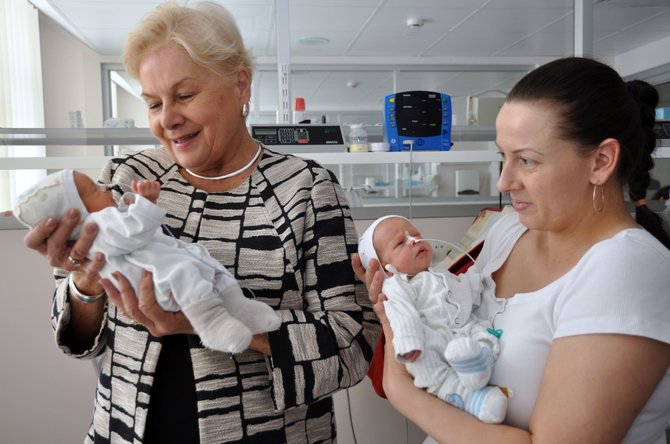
662	152
142	136
53	163
22	163
69	141
76	136
453	156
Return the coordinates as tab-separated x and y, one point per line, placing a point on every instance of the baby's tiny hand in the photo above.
411	356
149	189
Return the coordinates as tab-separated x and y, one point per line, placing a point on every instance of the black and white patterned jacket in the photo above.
287	234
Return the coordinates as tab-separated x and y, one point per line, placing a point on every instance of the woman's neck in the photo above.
572	243
242	168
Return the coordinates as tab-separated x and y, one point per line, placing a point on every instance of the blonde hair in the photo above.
206	30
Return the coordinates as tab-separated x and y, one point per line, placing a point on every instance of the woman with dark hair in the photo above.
577	288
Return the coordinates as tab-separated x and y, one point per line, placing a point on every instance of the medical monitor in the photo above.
420	120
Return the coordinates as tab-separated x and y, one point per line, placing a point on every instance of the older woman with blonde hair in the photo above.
279	223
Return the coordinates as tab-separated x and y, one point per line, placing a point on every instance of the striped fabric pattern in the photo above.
287	235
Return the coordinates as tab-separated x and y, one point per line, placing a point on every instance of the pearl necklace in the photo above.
234	173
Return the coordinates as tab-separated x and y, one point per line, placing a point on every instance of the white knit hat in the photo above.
51	196
366	248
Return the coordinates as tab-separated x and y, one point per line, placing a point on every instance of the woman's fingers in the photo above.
123	296
373	277
36	238
57	244
113	294
379	309
160	321
357	265
143	308
82	245
375	280
364	275
86	276
94	266
51	238
146	303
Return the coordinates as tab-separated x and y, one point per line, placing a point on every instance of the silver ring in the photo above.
74	262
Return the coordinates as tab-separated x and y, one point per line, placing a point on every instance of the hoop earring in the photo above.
598	208
245	110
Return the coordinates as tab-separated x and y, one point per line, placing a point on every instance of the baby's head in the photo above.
94	195
395	241
53	195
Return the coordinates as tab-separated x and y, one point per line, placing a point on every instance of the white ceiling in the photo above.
465	47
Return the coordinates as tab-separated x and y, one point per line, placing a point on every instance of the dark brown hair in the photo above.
595	104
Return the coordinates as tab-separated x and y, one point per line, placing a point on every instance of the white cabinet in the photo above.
423	182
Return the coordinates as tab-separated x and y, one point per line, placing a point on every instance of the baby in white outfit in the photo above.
131	237
444	346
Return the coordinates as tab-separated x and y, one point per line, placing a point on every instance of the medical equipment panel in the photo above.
420	120
300	138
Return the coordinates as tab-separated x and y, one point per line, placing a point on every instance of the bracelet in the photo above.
74	291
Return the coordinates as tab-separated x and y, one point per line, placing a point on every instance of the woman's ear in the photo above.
605	159
244	84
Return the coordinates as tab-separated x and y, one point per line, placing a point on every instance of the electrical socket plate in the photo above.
440	251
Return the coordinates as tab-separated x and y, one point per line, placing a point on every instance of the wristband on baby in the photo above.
78	295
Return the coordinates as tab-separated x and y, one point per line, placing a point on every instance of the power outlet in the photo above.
440	251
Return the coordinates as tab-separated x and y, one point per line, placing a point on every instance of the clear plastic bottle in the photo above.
358	133
358	138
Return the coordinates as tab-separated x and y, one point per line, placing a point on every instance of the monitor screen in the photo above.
418	113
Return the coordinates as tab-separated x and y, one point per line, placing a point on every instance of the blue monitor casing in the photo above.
420	117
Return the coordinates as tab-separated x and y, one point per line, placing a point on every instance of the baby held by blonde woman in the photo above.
131	237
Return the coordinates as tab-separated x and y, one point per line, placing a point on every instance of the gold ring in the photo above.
74	262
130	321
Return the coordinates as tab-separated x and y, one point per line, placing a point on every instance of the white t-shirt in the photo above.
621	285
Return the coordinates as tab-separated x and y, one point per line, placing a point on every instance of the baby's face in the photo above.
95	196
393	247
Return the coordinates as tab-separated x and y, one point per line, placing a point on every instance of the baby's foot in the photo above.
258	316
217	328
472	362
489	404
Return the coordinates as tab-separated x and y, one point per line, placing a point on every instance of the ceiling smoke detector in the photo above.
313	41
414	23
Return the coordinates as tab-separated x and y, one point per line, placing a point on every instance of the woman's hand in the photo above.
51	239
144	309
396	381
372	277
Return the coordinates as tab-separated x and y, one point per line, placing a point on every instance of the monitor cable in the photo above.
351	418
410	142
